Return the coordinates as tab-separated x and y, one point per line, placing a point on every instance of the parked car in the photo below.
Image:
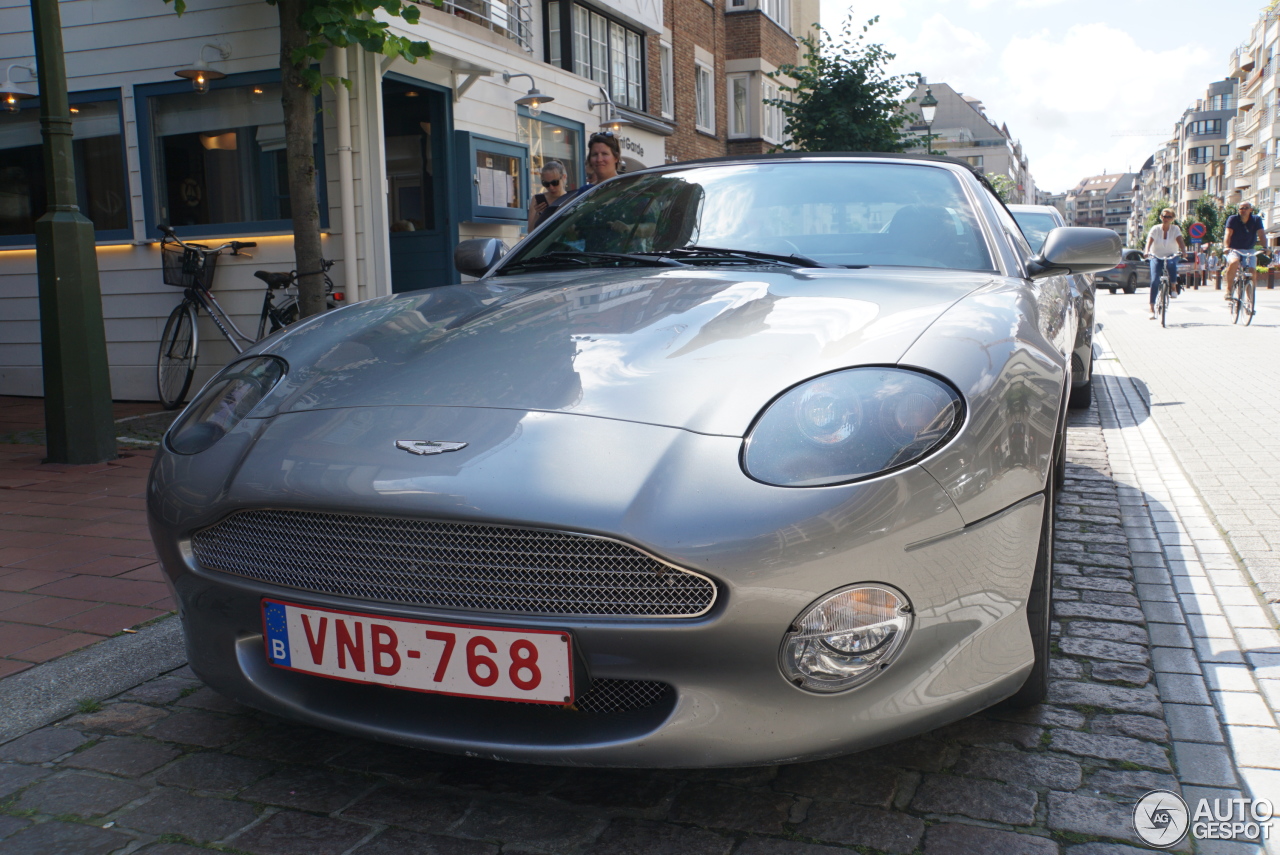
1036	222
713	469
1133	272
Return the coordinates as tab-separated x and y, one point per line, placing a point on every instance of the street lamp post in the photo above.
929	109
73	344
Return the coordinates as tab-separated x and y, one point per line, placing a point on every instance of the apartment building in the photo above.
962	129
430	153
1253	135
1102	201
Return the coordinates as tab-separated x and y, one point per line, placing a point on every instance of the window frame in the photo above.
580	172
667	80
143	92
731	81
99	235
567	58
466	145
703	72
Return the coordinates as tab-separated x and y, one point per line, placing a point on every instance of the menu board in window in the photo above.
497	180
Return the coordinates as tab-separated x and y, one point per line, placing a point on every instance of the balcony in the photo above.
512	19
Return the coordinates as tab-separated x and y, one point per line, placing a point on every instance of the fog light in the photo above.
846	638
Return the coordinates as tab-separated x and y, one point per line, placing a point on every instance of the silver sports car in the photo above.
730	462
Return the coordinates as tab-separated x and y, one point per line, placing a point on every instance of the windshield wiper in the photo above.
710	252
583	257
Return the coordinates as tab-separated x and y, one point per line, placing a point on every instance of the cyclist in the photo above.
1241	235
1164	239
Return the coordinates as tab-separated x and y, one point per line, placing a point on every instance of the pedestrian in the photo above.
1212	266
544	204
1164	241
1241	236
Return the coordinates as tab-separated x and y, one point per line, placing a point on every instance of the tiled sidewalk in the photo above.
1215	650
76	561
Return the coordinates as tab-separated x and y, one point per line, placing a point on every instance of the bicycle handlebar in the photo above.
234	245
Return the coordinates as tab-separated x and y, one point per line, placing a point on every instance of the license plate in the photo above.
530	665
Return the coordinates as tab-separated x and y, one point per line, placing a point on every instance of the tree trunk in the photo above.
299	125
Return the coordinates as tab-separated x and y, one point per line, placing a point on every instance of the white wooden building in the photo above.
439	152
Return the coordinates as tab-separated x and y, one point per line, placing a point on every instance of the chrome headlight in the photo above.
849	425
221	405
846	638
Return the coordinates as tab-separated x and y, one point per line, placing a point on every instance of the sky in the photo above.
1088	86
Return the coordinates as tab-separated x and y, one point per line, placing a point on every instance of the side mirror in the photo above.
1077	249
476	256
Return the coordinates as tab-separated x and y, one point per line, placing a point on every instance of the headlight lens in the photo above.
849	425
230	397
846	638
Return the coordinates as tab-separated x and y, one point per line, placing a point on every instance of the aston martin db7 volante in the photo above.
729	462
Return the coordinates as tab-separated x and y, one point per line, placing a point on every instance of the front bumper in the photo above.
678	495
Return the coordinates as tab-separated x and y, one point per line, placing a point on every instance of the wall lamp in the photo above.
533	99
199	72
11	93
615	120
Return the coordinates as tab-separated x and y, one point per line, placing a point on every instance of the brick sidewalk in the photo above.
76	561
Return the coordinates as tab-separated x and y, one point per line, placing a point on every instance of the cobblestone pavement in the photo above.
169	767
1212	390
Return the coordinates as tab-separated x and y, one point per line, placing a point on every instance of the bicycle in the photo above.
1242	292
1162	296
191	266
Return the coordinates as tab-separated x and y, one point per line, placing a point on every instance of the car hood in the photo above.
695	349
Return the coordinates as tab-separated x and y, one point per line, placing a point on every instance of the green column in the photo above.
73	344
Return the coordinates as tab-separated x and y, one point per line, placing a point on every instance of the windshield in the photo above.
1035	227
850	214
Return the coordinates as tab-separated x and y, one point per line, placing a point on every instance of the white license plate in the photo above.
530	665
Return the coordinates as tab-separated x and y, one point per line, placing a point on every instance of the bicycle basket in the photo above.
187	267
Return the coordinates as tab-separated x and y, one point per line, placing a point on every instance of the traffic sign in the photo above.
1197	231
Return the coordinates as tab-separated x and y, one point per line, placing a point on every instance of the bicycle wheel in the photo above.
1249	293
1237	301
1162	301
176	363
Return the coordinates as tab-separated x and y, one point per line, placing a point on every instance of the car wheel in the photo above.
1112	290
1132	285
1039	609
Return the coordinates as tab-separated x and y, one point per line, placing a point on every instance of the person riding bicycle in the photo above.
1241	236
1164	244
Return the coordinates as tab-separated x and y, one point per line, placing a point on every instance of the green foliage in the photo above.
1004	186
88	705
341	23
1210	213
842	100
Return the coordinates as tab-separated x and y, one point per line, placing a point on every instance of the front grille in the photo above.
451	565
612	696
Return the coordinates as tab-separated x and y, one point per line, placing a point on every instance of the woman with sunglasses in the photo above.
553	183
1164	243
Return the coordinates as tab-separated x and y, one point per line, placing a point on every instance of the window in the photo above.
584	41
102	190
974	160
1221	102
1205	127
774	120
705	99
1200	154
1195	181
739	117
1224	151
668	80
779	11
216	163
551	138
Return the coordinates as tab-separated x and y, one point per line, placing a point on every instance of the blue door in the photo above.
417	128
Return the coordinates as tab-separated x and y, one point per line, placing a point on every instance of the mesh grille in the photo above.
451	565
609	696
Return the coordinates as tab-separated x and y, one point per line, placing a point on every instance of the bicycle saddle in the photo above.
274	280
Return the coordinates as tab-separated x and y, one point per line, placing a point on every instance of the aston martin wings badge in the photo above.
428	446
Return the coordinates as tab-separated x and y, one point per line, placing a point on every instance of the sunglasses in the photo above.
555	183
1166	216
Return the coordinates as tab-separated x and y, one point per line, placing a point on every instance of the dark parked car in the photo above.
1133	272
730	462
